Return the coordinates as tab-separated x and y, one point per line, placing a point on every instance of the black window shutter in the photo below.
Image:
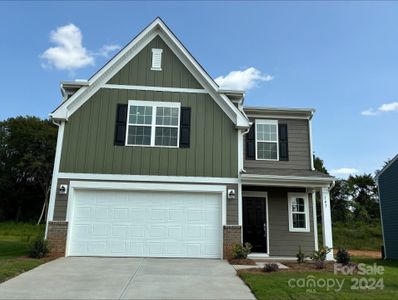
251	143
283	143
185	127
121	122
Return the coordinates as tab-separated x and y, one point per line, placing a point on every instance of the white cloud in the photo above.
369	112
344	171
105	50
393	106
386	107
242	80
69	52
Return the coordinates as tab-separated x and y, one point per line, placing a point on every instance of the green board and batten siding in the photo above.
138	70
89	135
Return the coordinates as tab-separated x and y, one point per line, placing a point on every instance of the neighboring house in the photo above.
154	159
387	182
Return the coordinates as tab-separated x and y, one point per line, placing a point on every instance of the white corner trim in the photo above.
54	181
148	178
306	212
123	186
240	208
311	149
154	88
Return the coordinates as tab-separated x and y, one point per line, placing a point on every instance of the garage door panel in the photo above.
146	224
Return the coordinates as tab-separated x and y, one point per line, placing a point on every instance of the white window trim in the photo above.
291	196
156	51
271	122
154	105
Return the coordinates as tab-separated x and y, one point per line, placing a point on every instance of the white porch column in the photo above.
314	216
327	222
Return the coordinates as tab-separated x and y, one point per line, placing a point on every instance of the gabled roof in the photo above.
386	167
157	27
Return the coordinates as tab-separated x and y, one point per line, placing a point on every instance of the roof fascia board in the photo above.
286	179
278	116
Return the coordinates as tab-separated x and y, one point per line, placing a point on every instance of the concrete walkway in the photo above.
127	278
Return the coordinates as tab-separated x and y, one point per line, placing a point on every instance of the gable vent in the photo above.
157	59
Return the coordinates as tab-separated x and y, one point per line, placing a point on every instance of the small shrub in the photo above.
271	267
300	256
319	257
240	251
343	257
39	248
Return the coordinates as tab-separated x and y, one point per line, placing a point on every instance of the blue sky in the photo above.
339	58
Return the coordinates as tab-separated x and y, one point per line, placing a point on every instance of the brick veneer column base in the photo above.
56	236
232	235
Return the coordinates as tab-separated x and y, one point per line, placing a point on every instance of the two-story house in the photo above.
154	159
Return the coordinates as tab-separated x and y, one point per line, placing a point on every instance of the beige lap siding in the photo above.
282	242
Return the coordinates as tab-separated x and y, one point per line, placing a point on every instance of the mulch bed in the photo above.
294	267
243	261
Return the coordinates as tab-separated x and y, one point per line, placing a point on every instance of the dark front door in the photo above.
254	223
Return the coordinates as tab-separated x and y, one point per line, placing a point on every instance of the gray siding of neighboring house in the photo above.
388	190
61	204
299	148
282	242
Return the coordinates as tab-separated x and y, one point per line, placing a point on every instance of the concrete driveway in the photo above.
127	278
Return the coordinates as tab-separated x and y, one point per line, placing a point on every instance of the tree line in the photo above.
354	199
27	150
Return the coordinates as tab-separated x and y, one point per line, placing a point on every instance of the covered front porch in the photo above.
279	214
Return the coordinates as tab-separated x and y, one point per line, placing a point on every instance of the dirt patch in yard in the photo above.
366	253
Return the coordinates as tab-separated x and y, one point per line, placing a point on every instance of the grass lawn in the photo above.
276	285
15	239
356	236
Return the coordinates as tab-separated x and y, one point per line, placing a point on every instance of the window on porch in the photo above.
298	213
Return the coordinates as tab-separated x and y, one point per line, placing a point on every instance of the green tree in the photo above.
27	148
365	199
319	165
340	201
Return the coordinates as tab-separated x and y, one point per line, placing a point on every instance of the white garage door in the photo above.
150	224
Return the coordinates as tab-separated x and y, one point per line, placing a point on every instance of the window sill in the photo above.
299	230
149	146
156	69
266	159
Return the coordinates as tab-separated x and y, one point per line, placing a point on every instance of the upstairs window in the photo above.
298	213
157	59
267	140
154	124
